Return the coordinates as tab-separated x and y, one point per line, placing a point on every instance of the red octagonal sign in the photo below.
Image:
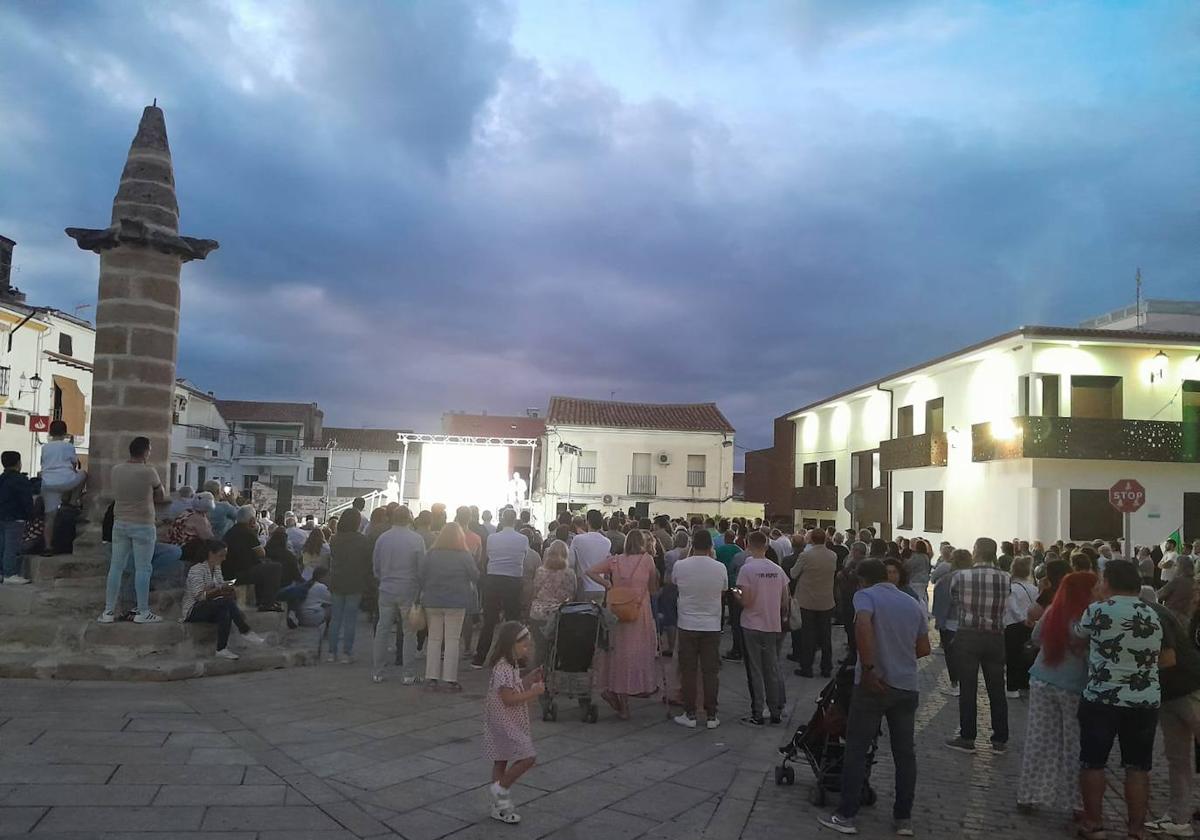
1127	495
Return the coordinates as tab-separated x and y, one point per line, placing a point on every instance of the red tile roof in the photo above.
253	411
492	425
373	440
688	417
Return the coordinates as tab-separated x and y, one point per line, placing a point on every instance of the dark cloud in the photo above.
415	217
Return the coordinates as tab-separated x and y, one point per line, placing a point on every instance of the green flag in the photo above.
1175	535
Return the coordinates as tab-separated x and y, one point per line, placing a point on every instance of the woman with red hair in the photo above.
1049	764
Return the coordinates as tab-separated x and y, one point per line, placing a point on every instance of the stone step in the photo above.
67	566
75	601
161	668
127	640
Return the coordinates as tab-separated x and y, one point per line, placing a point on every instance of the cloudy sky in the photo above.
426	206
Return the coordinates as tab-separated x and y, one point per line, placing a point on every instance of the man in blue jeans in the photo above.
16	505
891	631
136	488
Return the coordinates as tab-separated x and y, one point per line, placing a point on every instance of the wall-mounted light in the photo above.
1158	367
28	386
1004	429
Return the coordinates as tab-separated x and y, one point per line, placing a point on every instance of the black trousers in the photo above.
265	575
815	630
501	594
1016	664
222	612
735	624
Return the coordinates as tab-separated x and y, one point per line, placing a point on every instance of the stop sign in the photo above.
1127	495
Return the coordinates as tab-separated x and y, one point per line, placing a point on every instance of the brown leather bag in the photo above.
625	602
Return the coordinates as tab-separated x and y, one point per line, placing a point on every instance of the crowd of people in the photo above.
1104	650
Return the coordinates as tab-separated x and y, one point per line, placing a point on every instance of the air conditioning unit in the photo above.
608	499
663	458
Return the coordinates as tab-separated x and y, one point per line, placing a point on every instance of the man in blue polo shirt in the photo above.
892	633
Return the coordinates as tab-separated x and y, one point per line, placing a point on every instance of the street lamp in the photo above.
29	386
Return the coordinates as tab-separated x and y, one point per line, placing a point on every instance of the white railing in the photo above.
374	499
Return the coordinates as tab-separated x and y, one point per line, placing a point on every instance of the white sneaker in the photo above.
329	657
684	720
253	638
223	653
1013	695
147	617
16	580
107	617
408	681
346	659
712	723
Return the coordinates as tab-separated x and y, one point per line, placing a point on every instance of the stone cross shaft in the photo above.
137	311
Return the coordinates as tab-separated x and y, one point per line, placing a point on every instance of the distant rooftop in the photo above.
370	440
676	417
254	411
492	425
1156	314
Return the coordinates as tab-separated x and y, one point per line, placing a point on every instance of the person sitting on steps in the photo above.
209	599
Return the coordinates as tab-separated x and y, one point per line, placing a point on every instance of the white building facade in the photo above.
658	459
201	440
1019	436
345	463
45	371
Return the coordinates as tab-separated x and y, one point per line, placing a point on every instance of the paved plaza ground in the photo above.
322	752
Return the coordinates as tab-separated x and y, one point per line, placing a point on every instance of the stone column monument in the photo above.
137	313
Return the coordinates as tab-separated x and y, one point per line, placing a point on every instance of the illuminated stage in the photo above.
459	470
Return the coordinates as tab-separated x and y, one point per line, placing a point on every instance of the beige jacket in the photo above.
814	572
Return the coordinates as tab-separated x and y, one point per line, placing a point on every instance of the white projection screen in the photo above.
461	474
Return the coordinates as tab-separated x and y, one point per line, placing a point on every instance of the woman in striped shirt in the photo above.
209	599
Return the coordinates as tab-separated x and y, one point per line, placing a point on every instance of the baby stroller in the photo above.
821	742
572	633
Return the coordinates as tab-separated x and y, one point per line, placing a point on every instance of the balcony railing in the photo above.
816	497
4	377
643	485
1087	438
586	475
927	450
249	449
203	433
696	478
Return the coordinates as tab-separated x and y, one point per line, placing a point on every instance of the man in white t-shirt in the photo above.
702	581
587	550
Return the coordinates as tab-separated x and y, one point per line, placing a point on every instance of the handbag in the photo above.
416	620
625	602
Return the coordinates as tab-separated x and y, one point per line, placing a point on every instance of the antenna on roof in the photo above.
1138	315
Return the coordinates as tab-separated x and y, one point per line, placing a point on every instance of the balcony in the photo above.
696	478
1087	438
643	485
816	497
586	475
868	505
203	433
905	453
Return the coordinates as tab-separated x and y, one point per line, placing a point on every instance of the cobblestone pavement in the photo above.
321	752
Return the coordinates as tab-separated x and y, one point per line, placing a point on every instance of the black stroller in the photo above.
822	742
572	635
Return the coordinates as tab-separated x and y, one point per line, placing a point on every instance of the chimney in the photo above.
7	292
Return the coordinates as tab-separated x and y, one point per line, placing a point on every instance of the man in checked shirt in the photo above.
979	594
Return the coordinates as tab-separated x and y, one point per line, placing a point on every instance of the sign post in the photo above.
1127	496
